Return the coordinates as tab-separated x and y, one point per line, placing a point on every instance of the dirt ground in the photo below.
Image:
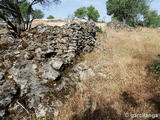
123	87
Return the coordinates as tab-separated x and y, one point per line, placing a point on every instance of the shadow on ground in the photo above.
107	113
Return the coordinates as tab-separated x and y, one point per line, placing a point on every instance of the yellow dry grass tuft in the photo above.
122	83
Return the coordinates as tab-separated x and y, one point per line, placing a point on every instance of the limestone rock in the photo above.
2	114
41	111
56	63
8	92
11	40
49	73
1	75
37	63
25	74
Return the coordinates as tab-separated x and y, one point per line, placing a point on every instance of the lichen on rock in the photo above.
36	63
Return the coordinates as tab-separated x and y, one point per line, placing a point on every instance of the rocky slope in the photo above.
36	70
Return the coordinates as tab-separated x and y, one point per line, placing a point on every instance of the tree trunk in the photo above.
124	21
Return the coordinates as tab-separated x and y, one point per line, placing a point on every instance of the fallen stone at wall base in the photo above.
8	92
37	62
49	73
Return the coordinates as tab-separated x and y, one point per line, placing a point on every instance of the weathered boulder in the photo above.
56	63
8	92
82	71
24	74
49	73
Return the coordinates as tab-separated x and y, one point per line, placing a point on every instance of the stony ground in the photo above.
114	78
120	82
34	69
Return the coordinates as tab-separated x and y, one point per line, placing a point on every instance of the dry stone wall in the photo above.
119	26
32	67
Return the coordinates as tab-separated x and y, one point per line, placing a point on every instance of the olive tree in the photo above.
10	13
80	13
128	11
90	13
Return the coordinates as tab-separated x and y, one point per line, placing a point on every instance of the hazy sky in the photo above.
67	8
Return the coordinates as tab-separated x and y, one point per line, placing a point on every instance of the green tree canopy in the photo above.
80	13
152	19
18	14
128	11
50	17
37	14
23	8
90	12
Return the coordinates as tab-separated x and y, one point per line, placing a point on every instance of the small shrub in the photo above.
50	17
98	29
156	69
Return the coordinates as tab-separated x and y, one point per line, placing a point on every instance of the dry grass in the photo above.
122	83
3	31
126	86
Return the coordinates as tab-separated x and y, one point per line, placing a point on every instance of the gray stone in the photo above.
39	60
7	64
119	26
11	40
49	73
2	113
86	74
1	75
56	112
102	74
41	111
58	103
81	71
42	30
24	73
61	85
56	63
87	49
17	52
35	101
8	92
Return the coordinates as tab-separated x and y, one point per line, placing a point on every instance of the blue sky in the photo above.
67	7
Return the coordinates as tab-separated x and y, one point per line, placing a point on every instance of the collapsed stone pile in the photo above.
33	68
119	26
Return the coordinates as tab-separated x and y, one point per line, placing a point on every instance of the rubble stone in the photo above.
36	62
49	73
119	26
